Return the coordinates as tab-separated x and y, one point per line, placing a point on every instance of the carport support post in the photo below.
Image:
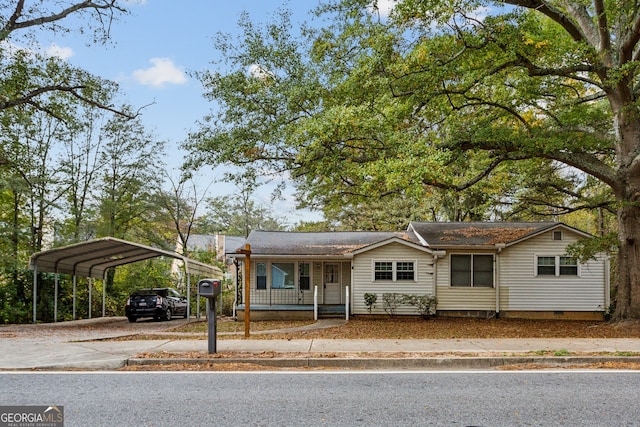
90	287
74	297
104	293
35	292
55	299
188	295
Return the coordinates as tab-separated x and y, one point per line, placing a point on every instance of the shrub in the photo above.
425	304
390	303
370	301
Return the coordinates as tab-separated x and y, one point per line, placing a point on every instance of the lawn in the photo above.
438	328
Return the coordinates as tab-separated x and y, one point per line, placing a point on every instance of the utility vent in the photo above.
557	235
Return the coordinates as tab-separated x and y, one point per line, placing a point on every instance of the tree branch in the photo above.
13	24
552	13
29	99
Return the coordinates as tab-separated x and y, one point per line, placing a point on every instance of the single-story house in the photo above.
506	269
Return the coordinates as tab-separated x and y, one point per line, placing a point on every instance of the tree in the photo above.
180	204
19	22
237	215
132	170
379	107
550	80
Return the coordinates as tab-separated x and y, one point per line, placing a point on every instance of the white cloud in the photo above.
63	53
163	71
259	72
54	51
383	7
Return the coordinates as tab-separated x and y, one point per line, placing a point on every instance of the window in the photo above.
472	271
404	271
568	266
383	271
282	275
304	269
546	266
394	270
261	275
556	266
557	235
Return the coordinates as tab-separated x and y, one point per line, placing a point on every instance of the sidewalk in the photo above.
63	353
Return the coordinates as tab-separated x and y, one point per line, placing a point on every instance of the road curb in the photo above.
390	363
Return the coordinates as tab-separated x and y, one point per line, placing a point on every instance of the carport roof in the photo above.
92	258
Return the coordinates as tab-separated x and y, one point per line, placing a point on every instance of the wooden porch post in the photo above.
247	287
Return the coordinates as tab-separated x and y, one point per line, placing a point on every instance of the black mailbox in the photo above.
209	288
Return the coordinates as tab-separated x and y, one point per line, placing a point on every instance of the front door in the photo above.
332	283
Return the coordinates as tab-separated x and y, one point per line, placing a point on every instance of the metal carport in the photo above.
91	259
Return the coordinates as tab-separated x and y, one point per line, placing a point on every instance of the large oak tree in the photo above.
447	95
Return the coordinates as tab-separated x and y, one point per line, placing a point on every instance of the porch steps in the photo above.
330	311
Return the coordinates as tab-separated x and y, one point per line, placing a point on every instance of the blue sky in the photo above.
151	52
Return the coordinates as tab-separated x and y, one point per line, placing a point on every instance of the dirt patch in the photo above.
452	328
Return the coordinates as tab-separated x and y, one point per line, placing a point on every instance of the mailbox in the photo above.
209	288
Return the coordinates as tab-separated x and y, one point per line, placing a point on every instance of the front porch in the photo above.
290	312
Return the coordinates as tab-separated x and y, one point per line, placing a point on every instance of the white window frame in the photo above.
394	270
269	278
472	276
556	265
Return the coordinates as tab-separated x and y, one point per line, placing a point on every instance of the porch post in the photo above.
247	287
346	303
315	303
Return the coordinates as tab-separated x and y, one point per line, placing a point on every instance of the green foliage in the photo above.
370	301
237	215
587	249
425	304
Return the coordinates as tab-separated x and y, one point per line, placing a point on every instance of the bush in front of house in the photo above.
425	305
390	302
370	301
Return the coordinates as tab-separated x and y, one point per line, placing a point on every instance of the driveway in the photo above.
86	329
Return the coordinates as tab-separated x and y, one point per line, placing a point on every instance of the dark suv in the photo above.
159	303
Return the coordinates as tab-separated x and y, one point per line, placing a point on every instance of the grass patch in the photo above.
230	325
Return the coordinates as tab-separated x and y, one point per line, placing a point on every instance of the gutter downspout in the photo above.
436	255
499	247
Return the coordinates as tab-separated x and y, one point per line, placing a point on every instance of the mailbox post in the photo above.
210	289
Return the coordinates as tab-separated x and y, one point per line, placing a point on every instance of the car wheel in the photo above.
167	314
186	314
132	319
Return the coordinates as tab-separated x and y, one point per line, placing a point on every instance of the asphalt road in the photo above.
563	398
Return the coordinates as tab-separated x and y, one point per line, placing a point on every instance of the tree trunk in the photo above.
627	280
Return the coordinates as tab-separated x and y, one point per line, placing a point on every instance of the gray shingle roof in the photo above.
452	234
320	243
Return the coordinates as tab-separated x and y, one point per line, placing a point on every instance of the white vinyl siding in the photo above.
396	253
522	287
